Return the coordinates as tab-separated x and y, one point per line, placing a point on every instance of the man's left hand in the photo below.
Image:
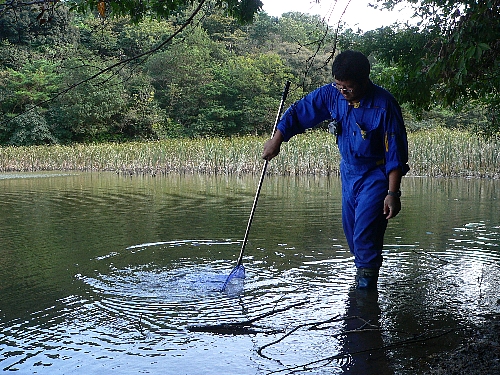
392	206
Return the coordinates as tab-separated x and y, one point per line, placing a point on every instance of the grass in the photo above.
436	152
452	153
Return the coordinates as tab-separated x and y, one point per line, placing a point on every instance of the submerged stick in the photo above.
240	328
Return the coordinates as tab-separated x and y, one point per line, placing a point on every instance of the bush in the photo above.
30	128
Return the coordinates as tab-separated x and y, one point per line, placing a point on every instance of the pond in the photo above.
105	273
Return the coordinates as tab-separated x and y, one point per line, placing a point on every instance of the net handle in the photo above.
263	173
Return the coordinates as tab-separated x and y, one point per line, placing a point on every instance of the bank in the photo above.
478	354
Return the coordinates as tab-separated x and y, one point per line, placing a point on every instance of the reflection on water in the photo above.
363	334
106	274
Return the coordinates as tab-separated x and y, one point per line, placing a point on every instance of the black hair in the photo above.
351	66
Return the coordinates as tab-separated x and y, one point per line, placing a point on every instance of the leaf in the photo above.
483	46
101	8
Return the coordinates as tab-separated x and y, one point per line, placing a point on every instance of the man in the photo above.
371	137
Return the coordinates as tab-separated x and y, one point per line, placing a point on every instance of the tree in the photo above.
30	128
136	10
451	58
303	42
240	97
34	82
188	69
116	107
397	63
91	110
25	26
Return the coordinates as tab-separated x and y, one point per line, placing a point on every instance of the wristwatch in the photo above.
396	194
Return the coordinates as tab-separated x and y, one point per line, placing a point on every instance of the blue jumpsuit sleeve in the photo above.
307	112
395	139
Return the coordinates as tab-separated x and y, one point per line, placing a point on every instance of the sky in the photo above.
357	12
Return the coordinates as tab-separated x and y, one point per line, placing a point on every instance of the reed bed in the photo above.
450	153
435	153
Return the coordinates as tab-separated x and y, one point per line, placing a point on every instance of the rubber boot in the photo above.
366	278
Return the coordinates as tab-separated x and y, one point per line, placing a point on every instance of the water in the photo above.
101	273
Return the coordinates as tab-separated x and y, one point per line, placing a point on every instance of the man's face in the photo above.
351	91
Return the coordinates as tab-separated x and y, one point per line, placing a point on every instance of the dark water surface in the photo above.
105	274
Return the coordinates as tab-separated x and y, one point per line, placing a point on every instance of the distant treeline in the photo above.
81	79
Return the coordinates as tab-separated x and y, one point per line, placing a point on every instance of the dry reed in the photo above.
436	152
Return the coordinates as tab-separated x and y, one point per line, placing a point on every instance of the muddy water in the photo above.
101	273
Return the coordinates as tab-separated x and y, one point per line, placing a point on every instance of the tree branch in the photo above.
244	327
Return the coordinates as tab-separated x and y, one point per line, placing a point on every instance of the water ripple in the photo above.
98	278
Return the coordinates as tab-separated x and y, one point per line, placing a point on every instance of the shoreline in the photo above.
477	354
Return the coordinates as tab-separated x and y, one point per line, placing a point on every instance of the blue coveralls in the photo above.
372	142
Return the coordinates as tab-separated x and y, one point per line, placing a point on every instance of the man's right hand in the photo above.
272	146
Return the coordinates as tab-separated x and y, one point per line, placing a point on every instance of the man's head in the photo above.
351	72
351	66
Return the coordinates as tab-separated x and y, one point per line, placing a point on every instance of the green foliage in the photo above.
397	63
120	38
34	82
115	107
30	128
240	86
136	39
450	59
14	56
142	117
33	26
138	10
209	91
178	73
303	42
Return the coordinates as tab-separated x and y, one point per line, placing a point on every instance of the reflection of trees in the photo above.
437	205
